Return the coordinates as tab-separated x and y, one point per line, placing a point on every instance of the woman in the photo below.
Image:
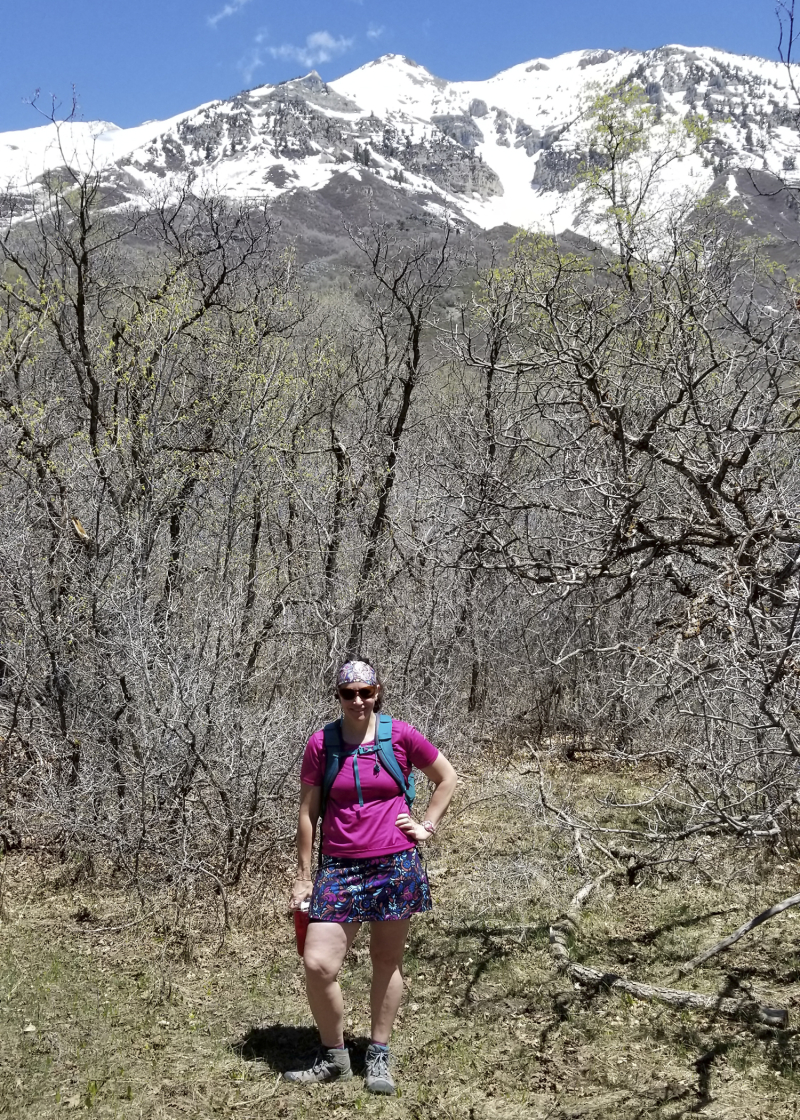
370	868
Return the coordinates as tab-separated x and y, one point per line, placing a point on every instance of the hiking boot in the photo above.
377	1077
326	1065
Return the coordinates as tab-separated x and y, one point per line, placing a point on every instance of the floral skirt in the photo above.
380	889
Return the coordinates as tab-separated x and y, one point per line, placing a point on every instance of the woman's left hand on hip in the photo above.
413	829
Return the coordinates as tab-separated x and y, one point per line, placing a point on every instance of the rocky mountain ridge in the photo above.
500	151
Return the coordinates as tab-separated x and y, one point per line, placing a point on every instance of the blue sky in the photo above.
130	62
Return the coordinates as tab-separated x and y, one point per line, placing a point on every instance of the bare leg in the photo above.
326	946
387	940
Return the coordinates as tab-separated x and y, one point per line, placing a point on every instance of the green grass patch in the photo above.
113	1012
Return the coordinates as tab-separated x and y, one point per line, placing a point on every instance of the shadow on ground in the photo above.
283	1047
648	937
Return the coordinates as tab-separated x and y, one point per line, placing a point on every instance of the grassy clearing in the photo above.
109	1013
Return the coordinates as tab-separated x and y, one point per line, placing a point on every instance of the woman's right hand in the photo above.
301	890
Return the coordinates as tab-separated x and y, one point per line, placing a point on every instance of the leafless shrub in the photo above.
570	518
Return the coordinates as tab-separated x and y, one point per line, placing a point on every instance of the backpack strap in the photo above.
335	754
336	751
383	741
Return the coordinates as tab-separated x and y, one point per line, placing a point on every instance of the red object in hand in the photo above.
301	927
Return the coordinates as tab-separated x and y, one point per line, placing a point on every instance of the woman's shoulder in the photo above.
312	766
416	747
403	730
315	741
400	727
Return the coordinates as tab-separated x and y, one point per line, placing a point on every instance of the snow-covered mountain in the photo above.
504	150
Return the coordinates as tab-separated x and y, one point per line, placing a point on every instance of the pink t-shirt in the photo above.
354	831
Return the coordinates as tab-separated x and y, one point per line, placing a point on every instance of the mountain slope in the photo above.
504	150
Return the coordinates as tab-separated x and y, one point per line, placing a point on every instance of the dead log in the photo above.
726	943
731	1007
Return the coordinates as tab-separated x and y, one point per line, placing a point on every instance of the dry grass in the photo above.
104	1012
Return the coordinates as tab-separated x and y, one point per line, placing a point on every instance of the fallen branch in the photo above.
568	925
764	916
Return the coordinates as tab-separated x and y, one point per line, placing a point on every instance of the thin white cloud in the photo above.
229	9
320	46
254	59
374	32
251	62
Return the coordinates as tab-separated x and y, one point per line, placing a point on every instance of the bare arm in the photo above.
307	817
442	774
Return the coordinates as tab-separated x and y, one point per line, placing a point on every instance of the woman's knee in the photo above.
325	949
386	956
387	943
320	966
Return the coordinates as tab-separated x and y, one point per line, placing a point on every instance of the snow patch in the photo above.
526	125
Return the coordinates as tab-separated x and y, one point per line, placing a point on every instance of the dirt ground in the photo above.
120	1012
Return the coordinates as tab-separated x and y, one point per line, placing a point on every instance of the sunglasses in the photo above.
362	693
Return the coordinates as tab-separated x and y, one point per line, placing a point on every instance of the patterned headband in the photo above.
356	671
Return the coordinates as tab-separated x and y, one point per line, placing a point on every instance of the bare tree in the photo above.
580	488
648	479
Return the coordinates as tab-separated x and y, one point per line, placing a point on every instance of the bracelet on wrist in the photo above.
429	827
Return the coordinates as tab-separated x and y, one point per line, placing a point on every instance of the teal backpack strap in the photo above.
383	741
336	751
359	753
335	754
